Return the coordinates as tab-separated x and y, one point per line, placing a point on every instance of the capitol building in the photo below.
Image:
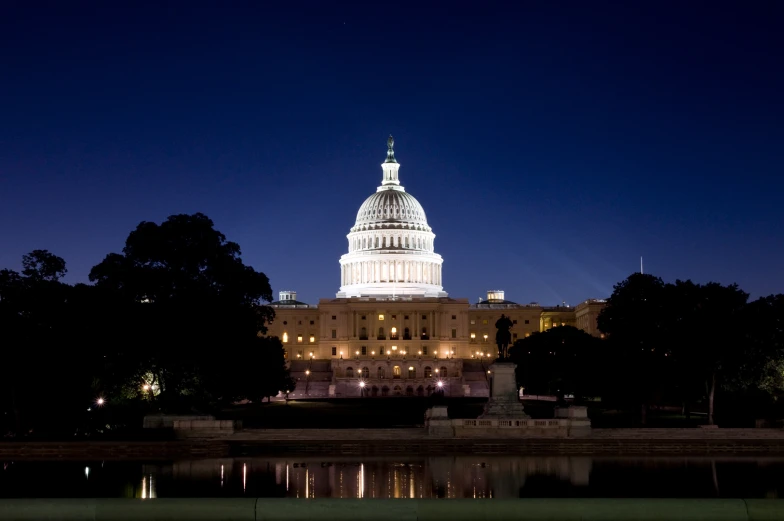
392	330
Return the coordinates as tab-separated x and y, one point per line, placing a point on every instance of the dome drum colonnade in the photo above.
390	247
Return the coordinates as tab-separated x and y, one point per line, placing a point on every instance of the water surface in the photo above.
417	477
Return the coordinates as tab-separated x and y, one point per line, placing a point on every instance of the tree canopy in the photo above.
562	361
175	322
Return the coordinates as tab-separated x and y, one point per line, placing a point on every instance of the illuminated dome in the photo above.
390	246
391	204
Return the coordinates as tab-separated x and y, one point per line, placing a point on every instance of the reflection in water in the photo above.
469	476
148	487
437	477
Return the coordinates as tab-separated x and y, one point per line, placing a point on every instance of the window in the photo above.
442	372
484	322
424	350
299	338
411	372
381	333
394	317
380	373
285	322
527	321
312	339
299	322
396	372
406	334
334	317
334	333
405	317
349	372
428	372
285	337
424	317
381	317
363	334
365	372
381	350
473	322
364	350
363	317
334	351
454	333
454	317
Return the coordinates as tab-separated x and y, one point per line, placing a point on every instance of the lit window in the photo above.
312	339
285	337
394	330
473	336
299	338
484	322
394	348
381	317
473	322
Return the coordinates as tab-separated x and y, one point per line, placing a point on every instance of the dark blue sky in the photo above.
550	143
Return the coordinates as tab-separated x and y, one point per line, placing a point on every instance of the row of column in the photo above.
391	241
402	271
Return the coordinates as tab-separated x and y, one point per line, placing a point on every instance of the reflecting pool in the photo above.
435	477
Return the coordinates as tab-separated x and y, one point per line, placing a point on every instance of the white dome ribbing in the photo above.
390	246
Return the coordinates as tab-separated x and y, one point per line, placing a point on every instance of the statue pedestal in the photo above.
504	401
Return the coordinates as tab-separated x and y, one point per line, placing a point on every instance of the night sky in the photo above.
551	144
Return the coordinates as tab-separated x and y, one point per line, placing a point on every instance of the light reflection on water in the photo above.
434	477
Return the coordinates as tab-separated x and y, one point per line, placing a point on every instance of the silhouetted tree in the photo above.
192	313
706	330
46	381
562	360
635	322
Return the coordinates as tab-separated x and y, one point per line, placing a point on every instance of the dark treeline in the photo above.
174	323
681	344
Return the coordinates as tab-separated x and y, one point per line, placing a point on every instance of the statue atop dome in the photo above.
391	150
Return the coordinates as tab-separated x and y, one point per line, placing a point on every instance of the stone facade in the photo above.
405	346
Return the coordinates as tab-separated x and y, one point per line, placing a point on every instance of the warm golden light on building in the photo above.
392	269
